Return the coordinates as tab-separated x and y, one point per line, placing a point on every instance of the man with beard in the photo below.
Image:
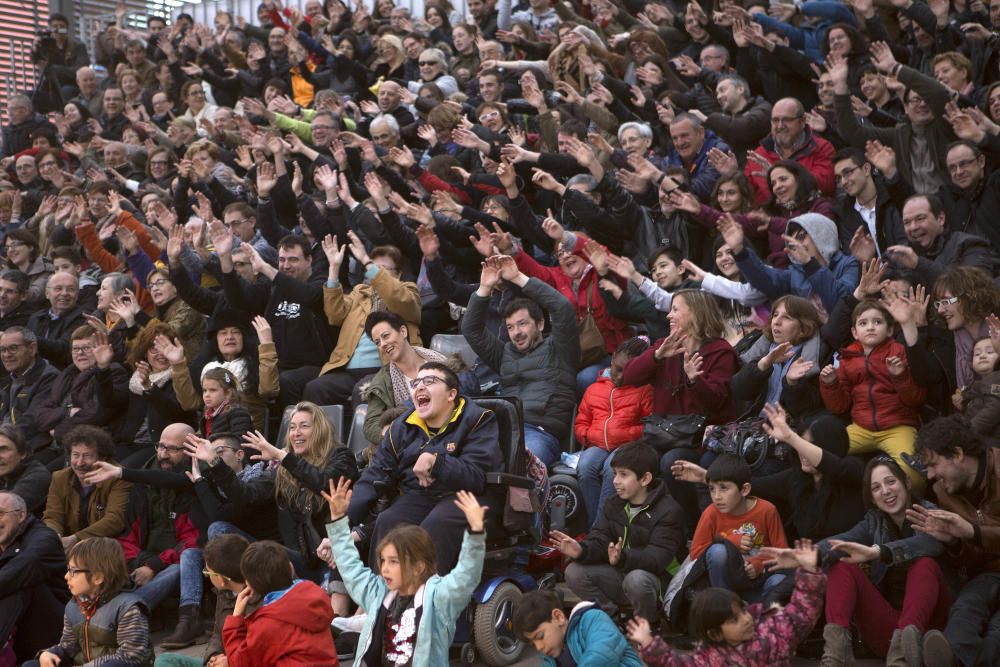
27	385
540	371
54	325
77	510
164	522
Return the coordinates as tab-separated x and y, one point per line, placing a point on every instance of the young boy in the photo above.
625	557
874	384
292	624
222	557
587	632
732	530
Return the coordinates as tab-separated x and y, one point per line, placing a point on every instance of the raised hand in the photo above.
693	270
598	256
615	551
268	452
777	422
732	232
484	242
693	366
639	632
489	278
475	514
882	57
430	245
828	375
334	253
671	346
863	245
263	329
896	365
338	498
266	178
798	370
104	353
171	349
780	353
553	229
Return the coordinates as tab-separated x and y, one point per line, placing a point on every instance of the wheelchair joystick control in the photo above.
557	513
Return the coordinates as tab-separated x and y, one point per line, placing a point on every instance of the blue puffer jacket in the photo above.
829	283
594	640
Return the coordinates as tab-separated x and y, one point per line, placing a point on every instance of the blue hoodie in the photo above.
594	640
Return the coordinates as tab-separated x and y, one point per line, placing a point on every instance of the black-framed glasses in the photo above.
12	348
171	449
73	571
846	173
426	380
428	63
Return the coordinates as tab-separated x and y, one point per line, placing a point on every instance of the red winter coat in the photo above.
613	330
291	631
610	416
708	395
876	400
816	155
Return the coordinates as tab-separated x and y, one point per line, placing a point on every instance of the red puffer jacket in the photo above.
877	400
610	416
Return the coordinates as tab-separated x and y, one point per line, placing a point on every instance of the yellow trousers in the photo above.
892	441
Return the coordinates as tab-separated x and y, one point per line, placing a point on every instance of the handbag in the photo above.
666	433
745	438
592	348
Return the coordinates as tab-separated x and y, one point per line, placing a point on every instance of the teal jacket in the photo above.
595	641
443	598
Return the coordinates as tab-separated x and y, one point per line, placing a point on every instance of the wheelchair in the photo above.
485	628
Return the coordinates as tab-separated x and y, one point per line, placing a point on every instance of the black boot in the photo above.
188	628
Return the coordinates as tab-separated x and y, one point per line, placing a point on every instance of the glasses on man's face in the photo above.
961	164
947	301
784	120
158	283
11	349
428	63
846	174
82	349
233	223
426	380
169	449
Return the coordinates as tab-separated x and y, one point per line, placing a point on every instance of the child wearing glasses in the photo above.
222	555
103	622
444	444
874	385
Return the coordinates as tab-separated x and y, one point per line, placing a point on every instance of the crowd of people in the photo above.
741	256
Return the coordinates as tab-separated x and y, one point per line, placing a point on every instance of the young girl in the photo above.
416	608
220	392
874	384
901	593
731	633
102	623
609	416
980	400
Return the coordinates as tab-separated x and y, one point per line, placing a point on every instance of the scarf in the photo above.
777	377
400	383
157	379
211	414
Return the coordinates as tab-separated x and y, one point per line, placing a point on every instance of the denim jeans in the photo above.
217	528
685	493
542	444
593	470
187	574
717	564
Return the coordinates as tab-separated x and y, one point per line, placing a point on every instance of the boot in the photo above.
894	656
911	643
188	629
837	649
937	650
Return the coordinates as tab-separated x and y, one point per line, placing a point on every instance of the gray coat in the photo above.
543	378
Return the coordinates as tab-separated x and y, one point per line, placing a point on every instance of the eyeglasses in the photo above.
158	283
962	164
781	120
15	244
82	349
73	571
427	381
490	115
428	63
233	223
11	349
845	174
171	449
196	93
209	573
947	301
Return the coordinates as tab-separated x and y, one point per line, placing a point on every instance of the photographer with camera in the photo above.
58	56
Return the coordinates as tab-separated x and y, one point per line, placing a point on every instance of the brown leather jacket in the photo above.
106	507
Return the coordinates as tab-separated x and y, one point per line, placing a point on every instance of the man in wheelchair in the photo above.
445	444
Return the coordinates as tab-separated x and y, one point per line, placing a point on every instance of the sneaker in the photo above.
937	650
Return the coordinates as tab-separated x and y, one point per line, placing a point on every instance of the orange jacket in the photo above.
611	416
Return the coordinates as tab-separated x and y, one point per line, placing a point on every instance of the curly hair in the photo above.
977	294
144	341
